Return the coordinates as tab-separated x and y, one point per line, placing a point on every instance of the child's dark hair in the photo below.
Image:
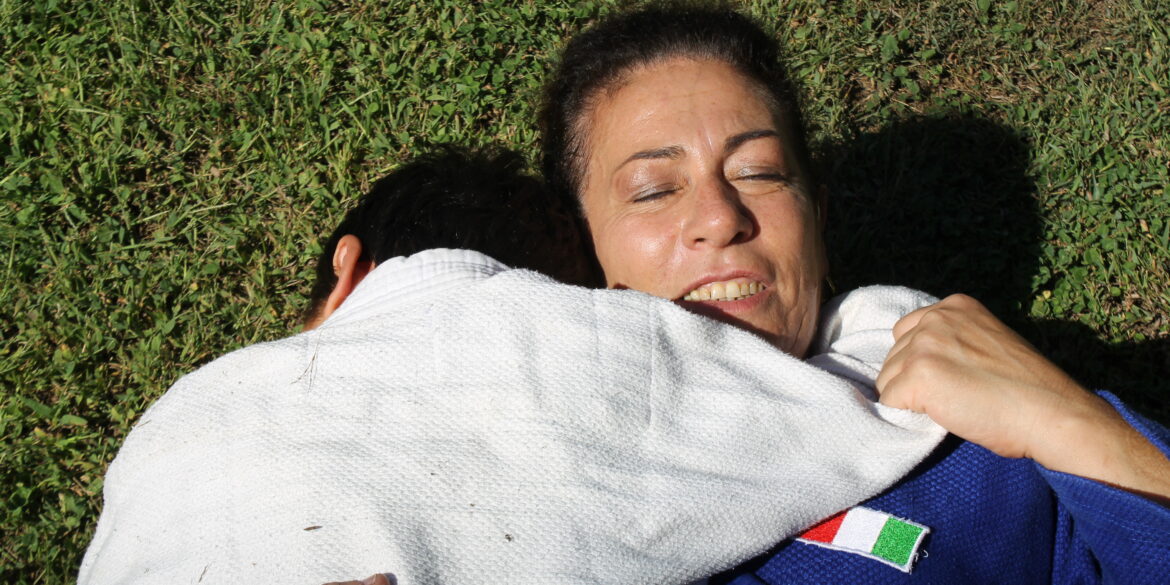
601	57
454	197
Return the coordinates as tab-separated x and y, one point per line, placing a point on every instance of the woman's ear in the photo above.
350	269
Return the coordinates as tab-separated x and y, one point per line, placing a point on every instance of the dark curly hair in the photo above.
603	56
454	197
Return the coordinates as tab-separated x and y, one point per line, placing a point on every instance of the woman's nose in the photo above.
717	216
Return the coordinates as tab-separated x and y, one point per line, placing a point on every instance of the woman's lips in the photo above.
726	290
719	302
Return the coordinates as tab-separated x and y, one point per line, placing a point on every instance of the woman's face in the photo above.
693	194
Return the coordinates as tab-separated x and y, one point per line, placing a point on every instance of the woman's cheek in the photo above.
637	254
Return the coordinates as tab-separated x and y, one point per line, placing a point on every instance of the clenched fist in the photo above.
981	381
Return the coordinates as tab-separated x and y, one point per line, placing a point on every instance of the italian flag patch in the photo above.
871	534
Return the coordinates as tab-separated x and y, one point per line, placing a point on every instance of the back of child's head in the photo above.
454	197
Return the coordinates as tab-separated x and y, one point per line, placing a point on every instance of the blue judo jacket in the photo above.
998	520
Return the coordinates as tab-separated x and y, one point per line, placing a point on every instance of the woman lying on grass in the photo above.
449	419
654	445
678	134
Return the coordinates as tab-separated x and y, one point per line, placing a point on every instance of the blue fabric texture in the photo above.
998	520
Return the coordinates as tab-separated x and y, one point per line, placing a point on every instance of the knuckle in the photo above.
962	302
957	298
931	319
926	364
931	335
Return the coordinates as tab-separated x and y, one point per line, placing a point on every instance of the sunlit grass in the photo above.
168	169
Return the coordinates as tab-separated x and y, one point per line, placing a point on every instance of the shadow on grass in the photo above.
946	205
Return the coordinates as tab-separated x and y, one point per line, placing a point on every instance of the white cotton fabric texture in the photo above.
459	422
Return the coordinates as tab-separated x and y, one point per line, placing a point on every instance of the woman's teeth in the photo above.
731	290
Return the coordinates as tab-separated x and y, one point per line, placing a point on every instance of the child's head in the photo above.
452	197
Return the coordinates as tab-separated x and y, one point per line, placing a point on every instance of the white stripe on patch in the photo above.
860	529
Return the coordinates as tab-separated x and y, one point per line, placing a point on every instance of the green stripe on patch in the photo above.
897	541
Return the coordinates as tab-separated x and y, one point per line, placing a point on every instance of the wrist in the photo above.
1092	440
1078	433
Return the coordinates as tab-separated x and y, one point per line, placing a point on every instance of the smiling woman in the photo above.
675	130
692	195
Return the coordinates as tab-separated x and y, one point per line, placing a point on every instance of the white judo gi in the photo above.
456	421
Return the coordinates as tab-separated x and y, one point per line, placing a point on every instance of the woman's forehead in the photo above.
666	101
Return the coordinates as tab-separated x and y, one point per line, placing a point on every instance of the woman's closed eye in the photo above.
760	181
654	193
759	174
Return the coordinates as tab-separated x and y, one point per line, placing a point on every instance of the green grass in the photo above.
169	167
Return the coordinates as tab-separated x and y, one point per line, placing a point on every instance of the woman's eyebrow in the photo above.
670	152
738	140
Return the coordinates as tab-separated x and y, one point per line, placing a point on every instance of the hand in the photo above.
981	381
978	379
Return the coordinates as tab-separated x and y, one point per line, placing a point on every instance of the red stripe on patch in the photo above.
825	531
